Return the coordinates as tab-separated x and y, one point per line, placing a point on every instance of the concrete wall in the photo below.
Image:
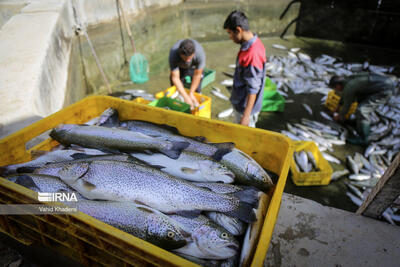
35	53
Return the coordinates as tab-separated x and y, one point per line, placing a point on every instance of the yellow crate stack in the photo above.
333	101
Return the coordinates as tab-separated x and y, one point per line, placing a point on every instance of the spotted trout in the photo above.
124	181
113	139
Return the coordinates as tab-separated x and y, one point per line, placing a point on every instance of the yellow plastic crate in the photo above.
141	100
203	110
93	242
322	177
333	100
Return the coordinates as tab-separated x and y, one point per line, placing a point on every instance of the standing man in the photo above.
187	58
249	77
360	87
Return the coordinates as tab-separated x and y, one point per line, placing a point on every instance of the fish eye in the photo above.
264	179
170	234
224	235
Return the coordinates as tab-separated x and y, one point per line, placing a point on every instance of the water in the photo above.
155	31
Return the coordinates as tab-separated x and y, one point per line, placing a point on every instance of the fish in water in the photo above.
210	241
227	82
278	46
225	113
307	107
123	181
114	139
140	221
189	166
326	116
219	94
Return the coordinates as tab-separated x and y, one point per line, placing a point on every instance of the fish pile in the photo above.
185	195
305	161
325	135
300	73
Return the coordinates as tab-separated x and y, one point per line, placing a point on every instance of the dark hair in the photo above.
336	80
186	48
236	19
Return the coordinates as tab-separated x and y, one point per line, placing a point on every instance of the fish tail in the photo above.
27	169
248	195
176	149
244	211
4	171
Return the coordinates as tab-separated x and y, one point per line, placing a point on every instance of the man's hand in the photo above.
194	100
245	120
188	100
336	116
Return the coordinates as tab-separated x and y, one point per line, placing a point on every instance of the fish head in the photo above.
165	232
215	172
259	177
70	172
61	131
231	224
215	241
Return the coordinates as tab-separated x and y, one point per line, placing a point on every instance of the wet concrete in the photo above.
309	234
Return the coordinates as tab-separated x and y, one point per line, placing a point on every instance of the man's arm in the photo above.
348	98
251	99
253	78
195	83
181	89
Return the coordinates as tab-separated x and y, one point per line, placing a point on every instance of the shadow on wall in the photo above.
370	22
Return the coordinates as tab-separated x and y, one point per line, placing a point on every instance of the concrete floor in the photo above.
310	234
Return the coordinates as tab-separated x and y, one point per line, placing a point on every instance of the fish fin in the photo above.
26	169
189	213
83	124
110	151
88	186
189	170
244	212
218	155
145	209
38	153
201	139
26	181
4	171
169	128
176	149
226	145
148	152
248	195
111	121
80	156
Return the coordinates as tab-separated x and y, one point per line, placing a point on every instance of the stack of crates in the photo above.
322	177
332	103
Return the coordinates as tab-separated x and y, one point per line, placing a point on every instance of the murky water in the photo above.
155	31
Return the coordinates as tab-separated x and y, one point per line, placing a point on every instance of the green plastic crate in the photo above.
171	104
209	77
